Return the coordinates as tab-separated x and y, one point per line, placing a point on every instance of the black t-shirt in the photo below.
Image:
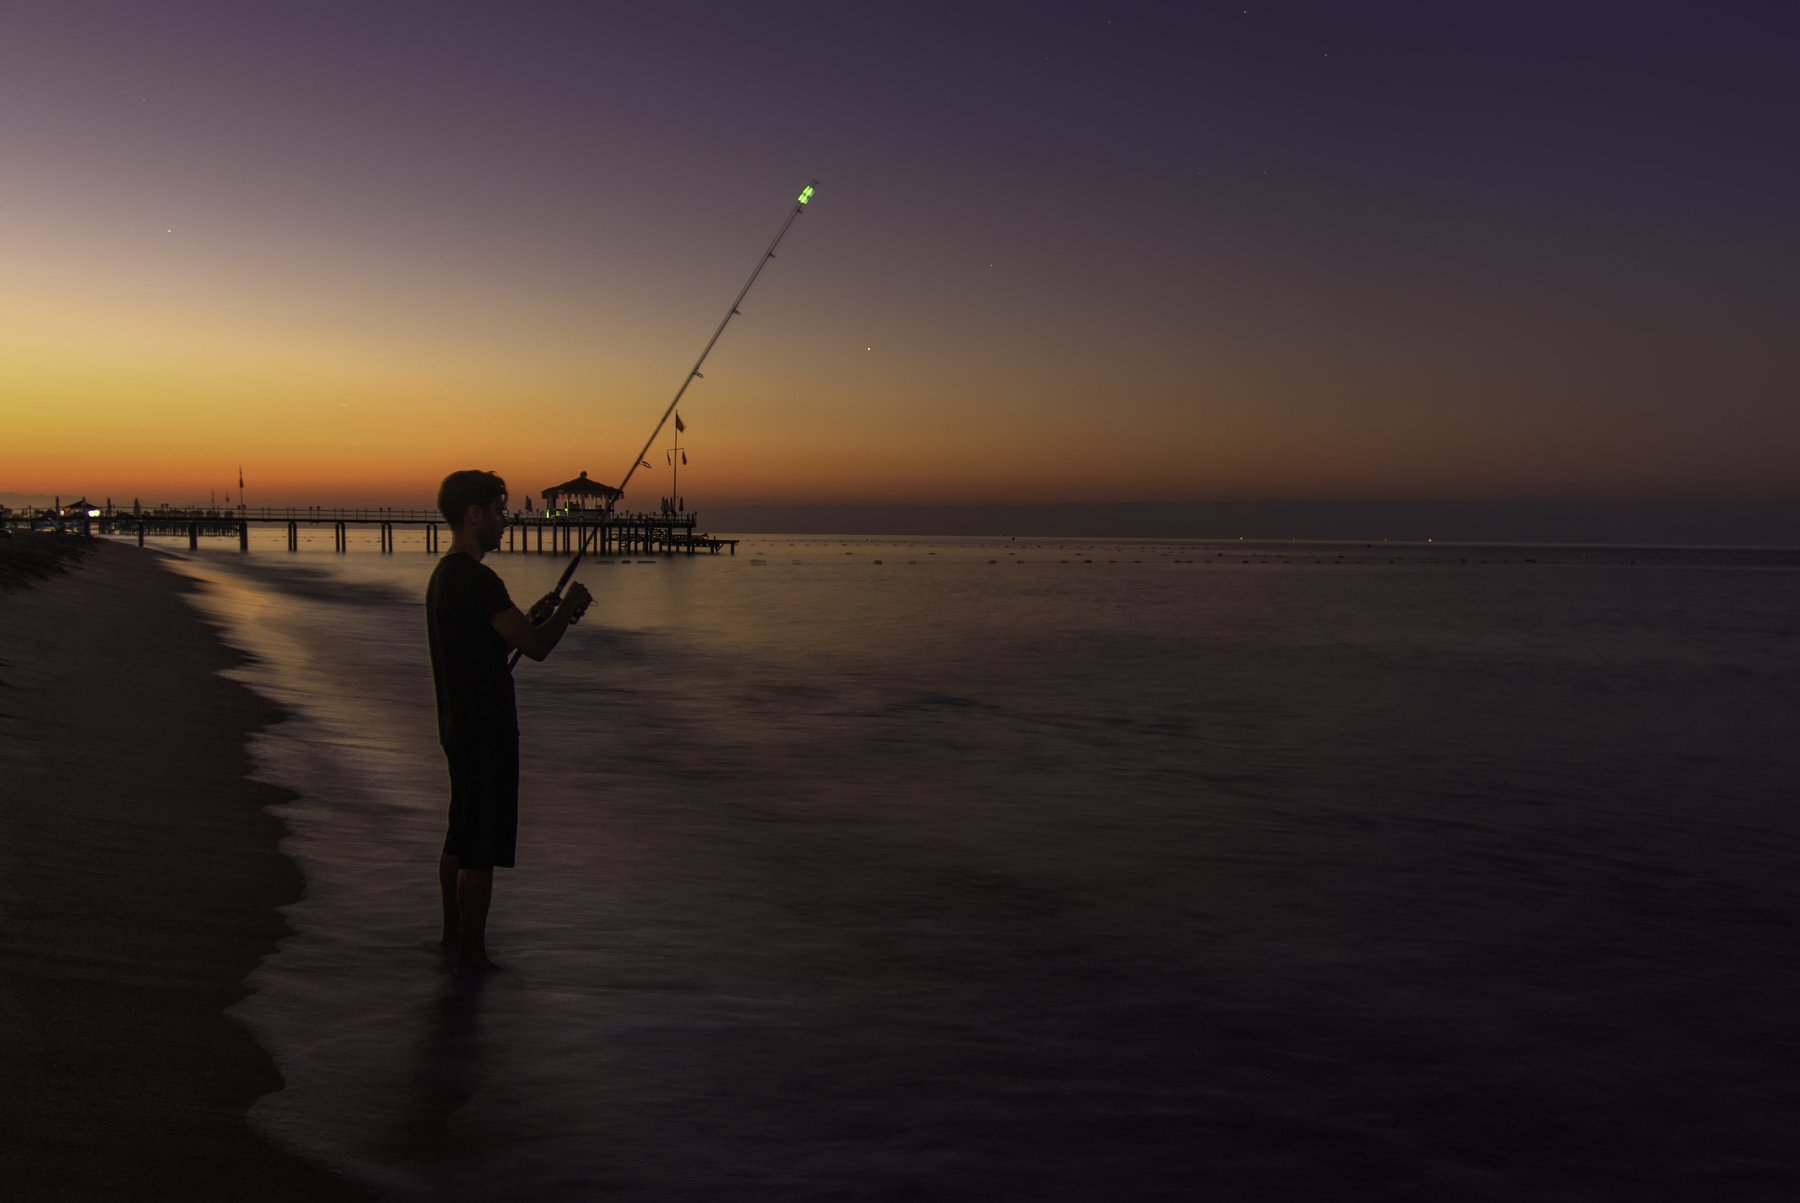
468	657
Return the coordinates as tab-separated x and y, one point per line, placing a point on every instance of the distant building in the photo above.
579	494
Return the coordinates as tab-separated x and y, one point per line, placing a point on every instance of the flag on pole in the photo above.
680	426
240	478
667	458
684	457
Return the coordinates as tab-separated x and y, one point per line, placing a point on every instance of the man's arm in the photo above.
536	640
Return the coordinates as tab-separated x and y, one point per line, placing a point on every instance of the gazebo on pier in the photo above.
579	494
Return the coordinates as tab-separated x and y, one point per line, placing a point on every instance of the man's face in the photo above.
489	521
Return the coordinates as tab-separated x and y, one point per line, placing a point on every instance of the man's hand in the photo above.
536	633
542	609
579	600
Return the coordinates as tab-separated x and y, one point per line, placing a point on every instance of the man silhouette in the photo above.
473	625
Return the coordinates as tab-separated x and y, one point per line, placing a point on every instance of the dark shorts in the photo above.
484	803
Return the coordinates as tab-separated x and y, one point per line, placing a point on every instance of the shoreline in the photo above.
141	881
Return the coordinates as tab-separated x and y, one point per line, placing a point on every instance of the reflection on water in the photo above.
1047	870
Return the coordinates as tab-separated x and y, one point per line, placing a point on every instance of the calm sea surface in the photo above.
983	869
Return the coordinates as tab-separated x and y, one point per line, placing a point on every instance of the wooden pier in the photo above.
607	534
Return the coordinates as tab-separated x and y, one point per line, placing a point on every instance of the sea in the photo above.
1007	869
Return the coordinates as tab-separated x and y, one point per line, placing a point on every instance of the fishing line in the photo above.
800	203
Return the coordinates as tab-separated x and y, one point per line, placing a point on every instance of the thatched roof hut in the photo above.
580	494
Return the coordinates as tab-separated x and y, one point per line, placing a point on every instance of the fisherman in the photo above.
472	625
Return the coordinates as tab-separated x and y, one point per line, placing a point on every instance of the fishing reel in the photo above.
576	612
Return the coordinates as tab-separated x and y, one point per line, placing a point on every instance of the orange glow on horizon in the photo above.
354	265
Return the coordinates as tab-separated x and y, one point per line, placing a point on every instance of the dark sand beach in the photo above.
140	881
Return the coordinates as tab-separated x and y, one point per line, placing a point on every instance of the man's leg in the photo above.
474	890
447	869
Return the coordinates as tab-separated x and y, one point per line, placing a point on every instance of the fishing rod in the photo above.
800	203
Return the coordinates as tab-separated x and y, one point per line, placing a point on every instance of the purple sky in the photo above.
1115	252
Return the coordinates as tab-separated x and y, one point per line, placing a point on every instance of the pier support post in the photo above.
140	532
243	535
293	536
193	536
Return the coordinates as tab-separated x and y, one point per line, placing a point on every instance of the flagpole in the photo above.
800	203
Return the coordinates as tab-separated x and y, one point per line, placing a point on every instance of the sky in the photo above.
1109	253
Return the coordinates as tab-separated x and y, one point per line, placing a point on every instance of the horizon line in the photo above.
1612	523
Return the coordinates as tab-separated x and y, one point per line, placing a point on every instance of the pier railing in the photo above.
604	532
40	517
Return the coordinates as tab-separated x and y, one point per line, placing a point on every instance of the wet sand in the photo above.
140	881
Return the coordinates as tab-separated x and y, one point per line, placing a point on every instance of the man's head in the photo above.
473	498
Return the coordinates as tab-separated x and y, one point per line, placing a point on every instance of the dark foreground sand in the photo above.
139	881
